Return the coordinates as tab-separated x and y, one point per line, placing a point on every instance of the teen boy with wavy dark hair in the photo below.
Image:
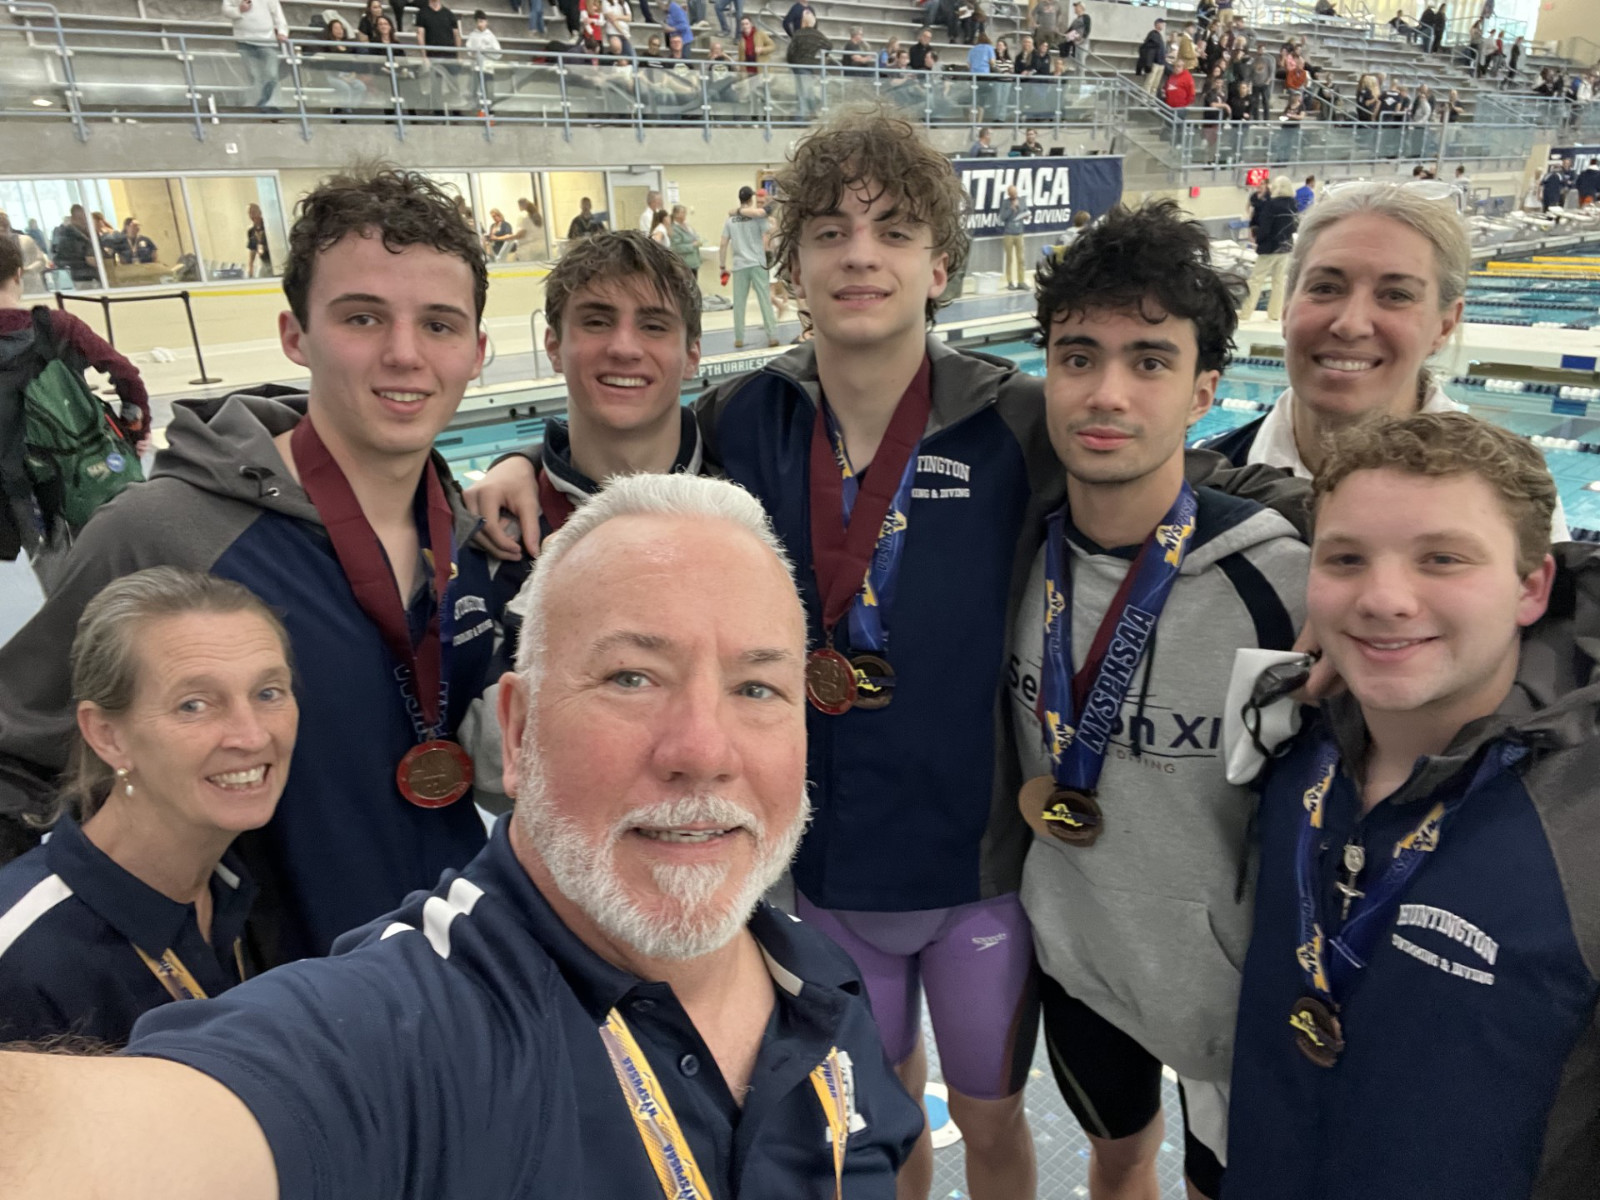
293	496
1127	620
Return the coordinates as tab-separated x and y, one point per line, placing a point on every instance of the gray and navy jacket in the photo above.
344	845
1472	1060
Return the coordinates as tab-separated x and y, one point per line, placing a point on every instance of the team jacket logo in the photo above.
1171	539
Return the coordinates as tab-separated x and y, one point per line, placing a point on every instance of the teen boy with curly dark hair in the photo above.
1126	627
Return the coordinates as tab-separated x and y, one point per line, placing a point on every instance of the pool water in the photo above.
1247	390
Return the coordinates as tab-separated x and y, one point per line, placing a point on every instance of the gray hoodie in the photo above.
1149	926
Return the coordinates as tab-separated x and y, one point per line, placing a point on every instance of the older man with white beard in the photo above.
598	1005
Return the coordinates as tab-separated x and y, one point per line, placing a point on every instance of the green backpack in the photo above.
76	455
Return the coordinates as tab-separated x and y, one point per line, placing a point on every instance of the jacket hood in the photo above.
964	382
1553	705
1227	524
224	446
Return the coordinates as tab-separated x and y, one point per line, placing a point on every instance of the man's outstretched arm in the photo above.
126	1129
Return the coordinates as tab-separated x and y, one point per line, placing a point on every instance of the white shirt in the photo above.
646	219
1275	445
261	25
483	43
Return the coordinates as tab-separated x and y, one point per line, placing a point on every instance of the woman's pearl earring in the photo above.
127	783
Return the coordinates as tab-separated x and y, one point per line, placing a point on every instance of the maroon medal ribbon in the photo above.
436	772
555	504
840	552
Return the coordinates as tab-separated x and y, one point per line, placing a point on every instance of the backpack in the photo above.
71	456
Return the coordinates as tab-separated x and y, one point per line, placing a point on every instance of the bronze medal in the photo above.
830	681
1065	814
1316	1031
874	681
435	774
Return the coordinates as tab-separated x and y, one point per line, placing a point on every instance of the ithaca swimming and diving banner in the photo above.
1051	190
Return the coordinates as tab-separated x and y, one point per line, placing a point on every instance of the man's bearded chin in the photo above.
684	920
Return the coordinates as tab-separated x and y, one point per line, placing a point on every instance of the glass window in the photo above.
152	242
238	221
567	191
53	214
515	195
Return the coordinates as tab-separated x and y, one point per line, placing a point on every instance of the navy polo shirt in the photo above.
452	1050
69	921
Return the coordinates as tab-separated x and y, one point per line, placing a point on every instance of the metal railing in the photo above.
202	81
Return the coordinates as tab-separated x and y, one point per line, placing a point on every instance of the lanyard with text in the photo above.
1329	963
1077	713
554	504
435	772
664	1141
857	538
177	978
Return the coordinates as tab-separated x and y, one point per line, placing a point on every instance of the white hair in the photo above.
652	495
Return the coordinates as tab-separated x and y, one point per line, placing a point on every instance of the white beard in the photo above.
685	922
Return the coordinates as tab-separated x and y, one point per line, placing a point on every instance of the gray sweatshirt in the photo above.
1149	926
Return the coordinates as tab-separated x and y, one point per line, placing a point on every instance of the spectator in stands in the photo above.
982	148
677	22
886	56
1306	194
743	258
1496	57
367	27
1512	63
967	21
1152	61
1205	15
980	58
1422	106
1178	92
1186	55
1440	20
855	53
1263	69
616	20
1588	183
1274	239
259	29
1451	110
791	19
1077	35
585	223
805	51
438	33
186	721
755	44
920	49
1044	18
1030	147
341	69
902	85
1472	55
1367	98
73	248
1013	224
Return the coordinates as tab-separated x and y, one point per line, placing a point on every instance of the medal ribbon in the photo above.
676	1170
876	596
177	978
1077	744
361	556
555	504
846	538
1330	963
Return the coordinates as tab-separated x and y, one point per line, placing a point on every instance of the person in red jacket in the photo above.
1180	88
